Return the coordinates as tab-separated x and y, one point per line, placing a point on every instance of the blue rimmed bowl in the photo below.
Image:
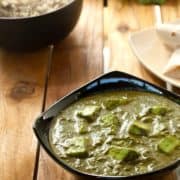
111	81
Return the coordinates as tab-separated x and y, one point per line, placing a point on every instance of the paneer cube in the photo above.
81	126
123	154
158	110
168	144
77	147
110	121
89	112
113	103
139	128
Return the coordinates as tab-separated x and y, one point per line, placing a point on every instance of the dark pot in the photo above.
111	81
31	33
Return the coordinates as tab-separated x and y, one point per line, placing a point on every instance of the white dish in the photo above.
152	53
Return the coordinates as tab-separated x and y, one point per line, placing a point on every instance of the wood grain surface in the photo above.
77	60
21	93
123	18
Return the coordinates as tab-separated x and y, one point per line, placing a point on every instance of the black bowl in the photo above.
31	33
111	81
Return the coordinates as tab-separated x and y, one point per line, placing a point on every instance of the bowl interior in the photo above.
16	18
111	81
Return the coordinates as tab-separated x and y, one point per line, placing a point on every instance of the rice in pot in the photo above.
26	8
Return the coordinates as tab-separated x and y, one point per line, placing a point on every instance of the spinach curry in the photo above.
118	133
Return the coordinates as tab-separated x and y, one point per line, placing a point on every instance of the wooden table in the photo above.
30	82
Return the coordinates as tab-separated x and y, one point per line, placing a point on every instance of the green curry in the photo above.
118	133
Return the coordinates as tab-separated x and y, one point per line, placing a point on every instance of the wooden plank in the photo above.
170	11
21	96
121	19
75	61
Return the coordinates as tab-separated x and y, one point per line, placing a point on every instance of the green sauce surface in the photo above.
118	133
